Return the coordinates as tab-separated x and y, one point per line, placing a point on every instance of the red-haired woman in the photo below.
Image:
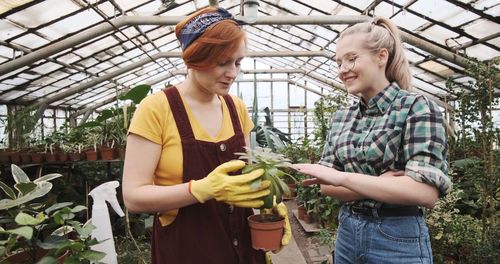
181	147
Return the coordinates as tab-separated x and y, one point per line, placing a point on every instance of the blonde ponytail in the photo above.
382	33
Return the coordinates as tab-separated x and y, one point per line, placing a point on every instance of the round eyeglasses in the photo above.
346	65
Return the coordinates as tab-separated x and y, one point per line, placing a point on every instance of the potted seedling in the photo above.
267	224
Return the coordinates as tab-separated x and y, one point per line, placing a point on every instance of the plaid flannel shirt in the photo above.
396	130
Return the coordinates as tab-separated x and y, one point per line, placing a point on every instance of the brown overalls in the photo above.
213	232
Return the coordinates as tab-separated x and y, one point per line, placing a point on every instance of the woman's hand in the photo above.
321	174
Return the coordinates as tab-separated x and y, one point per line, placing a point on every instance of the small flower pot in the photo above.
75	156
4	157
15	157
301	212
91	155
62	156
107	153
293	189
266	231
308	218
25	158
50	157
37	157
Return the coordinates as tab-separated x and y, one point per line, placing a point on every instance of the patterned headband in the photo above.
198	24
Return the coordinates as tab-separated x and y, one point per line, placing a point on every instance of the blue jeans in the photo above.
365	239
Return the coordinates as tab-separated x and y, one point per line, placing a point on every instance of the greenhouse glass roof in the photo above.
78	54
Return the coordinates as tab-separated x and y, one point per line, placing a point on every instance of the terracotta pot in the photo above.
4	157
15	157
37	157
50	157
74	156
27	257
301	212
308	218
106	153
266	231
25	157
62	156
91	155
293	190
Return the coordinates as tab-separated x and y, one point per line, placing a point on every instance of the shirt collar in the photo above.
382	101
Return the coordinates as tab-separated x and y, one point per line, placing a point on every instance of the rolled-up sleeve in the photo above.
425	147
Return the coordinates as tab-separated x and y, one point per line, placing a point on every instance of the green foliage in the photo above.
27	189
27	226
323	111
20	126
272	164
458	236
113	123
325	236
473	156
137	93
131	253
266	135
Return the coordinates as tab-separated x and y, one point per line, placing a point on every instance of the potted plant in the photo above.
92	139
31	231
267	228
20	125
114	122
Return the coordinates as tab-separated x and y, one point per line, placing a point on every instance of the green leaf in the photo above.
42	189
268	202
62	231
7	190
26	219
104	115
48	260
93	255
255	184
52	242
137	93
86	230
57	206
19	175
24	231
25	187
48	177
284	187
60	217
90	124
277	189
78	208
249	168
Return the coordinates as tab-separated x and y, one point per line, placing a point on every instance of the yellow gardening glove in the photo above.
280	209
234	190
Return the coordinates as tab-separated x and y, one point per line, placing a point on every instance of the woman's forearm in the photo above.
393	190
341	193
154	198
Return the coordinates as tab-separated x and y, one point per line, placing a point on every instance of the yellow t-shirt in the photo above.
154	121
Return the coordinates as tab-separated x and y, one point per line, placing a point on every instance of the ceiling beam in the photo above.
171	20
73	90
170	74
122	21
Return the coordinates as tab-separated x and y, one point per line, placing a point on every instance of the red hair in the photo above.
215	45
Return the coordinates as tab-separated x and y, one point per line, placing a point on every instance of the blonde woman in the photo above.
385	157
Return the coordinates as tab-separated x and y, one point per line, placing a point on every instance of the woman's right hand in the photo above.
321	174
235	190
